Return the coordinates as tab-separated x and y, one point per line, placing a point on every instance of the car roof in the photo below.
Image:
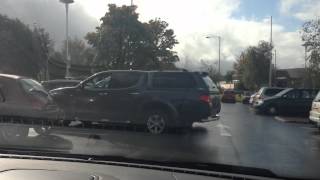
60	80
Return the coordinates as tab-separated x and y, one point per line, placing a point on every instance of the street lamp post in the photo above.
219	49
68	63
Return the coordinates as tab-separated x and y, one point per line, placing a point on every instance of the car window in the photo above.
172	80
317	98
228	92
124	80
272	92
115	80
210	84
306	94
99	82
30	84
294	94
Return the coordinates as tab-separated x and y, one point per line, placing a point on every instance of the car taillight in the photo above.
206	99
36	104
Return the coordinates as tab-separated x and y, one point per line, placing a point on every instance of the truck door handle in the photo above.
103	94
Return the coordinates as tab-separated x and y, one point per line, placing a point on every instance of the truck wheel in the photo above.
156	121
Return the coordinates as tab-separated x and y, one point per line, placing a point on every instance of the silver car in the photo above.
22	97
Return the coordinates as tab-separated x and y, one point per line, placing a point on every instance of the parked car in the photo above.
246	97
289	101
315	111
252	97
155	99
25	97
53	84
229	96
266	92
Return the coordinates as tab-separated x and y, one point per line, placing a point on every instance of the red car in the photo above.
229	96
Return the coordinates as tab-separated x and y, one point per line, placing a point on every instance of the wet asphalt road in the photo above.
240	137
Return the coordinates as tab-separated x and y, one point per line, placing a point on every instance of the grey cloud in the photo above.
50	14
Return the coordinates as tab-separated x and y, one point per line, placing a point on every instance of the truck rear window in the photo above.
210	84
173	80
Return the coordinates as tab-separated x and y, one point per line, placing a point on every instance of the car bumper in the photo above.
210	118
258	108
315	117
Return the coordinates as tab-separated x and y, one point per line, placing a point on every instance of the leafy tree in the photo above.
79	52
252	66
22	51
229	76
123	42
311	37
210	67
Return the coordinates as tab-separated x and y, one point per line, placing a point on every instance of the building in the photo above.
290	77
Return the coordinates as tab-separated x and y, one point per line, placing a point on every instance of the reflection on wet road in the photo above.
239	138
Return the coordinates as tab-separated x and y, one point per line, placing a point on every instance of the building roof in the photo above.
294	73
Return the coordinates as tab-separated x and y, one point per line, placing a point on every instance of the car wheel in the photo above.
14	133
156	121
272	110
43	130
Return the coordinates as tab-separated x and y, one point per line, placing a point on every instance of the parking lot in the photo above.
240	137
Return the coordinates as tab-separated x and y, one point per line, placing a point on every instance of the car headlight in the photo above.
259	102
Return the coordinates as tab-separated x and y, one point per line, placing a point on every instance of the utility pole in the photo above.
219	41
305	57
275	59
219	55
131	2
68	63
270	67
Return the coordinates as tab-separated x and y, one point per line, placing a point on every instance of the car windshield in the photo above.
30	85
191	84
283	92
317	97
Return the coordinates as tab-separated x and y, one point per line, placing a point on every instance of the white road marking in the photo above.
279	119
223	130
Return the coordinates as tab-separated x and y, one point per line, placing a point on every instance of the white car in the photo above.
315	111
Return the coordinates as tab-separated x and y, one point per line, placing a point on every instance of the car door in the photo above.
119	102
288	103
87	99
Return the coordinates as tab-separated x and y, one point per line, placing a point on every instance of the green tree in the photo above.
123	42
311	37
80	53
252	66
211	69
22	51
229	76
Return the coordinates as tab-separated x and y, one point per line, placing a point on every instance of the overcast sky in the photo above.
240	23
